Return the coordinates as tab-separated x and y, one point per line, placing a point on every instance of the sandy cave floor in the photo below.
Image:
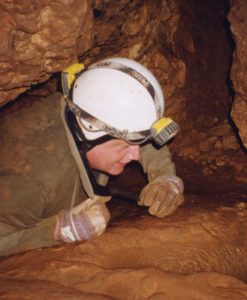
197	253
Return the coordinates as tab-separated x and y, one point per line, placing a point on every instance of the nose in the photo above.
134	151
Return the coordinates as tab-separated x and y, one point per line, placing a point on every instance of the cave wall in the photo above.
185	44
237	18
43	37
39	38
207	150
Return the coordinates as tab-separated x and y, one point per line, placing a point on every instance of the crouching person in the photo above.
58	153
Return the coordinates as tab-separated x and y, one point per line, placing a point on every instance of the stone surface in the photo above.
141	257
40	38
237	19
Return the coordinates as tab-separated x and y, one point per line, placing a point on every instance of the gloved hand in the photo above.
163	195
84	221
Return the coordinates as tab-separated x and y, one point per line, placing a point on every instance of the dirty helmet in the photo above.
120	98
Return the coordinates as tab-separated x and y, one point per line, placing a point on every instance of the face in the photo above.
112	156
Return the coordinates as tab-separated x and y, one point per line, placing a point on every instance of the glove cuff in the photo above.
71	227
176	181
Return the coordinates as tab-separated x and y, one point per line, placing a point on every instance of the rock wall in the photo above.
238	21
39	38
43	37
207	151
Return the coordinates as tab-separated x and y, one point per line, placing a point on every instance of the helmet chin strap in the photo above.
83	148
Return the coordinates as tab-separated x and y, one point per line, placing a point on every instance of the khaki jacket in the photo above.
41	173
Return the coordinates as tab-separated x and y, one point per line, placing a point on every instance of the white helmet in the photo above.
121	98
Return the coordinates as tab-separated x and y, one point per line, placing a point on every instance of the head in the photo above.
121	99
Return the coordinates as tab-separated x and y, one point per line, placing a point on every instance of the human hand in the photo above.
163	195
84	221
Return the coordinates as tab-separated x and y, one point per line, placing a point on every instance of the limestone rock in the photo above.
237	18
39	38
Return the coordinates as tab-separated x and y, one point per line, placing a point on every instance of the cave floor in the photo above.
197	253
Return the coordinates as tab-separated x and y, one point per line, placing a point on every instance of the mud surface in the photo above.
198	253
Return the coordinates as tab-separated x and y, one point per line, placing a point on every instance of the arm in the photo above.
83	222
156	162
164	192
41	235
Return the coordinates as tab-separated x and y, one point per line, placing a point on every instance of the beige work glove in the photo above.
83	222
163	195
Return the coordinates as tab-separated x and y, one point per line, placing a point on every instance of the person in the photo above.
57	155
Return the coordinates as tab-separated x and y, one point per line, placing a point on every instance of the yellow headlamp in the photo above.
163	130
69	75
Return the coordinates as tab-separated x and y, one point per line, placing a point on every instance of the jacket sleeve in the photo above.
39	236
156	162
